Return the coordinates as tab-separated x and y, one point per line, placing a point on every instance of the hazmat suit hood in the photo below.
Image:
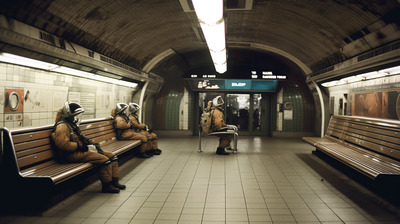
58	115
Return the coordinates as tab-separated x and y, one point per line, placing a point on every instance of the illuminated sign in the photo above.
264	75
237	84
234	85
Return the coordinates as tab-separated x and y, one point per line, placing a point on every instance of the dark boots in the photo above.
109	188
144	155
116	184
156	151
221	151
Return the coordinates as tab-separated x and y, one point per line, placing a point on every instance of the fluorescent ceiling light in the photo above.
364	76
19	60
71	71
210	16
352	79
372	75
28	62
392	70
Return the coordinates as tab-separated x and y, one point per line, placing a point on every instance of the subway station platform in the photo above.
269	180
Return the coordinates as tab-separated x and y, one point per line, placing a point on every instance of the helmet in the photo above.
217	101
72	111
133	107
121	107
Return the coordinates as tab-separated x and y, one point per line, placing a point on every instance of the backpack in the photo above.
206	120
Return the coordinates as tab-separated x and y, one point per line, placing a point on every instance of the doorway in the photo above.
250	112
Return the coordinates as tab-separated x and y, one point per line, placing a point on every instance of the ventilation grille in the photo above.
379	51
119	64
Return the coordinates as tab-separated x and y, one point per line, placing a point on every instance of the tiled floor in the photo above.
270	180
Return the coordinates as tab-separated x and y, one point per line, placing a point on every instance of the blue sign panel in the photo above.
234	85
237	84
263	85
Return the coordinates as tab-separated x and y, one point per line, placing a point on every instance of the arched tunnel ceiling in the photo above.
314	32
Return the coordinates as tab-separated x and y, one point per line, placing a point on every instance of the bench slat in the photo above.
371	165
35	158
31	144
31	151
26	137
97	129
103	137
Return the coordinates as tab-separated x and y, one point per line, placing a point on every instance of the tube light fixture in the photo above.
210	16
28	62
364	76
19	60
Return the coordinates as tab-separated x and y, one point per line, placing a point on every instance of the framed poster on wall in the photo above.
14	101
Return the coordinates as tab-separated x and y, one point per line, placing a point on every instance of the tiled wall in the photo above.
184	111
43	93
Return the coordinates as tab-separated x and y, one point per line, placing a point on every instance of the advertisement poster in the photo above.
378	103
86	100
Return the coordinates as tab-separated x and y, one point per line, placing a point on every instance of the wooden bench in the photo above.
28	152
369	145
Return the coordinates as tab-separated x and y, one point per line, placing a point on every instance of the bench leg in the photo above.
235	138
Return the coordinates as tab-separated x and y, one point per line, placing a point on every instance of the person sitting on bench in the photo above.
143	129
125	129
73	147
219	125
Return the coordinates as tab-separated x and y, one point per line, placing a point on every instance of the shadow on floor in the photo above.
363	191
30	197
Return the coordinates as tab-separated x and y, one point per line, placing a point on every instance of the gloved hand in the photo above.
82	147
130	124
99	150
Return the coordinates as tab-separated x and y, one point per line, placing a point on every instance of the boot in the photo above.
221	151
109	188
116	184
156	151
143	155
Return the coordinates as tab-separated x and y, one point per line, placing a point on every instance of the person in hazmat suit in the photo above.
125	129
219	125
143	129
73	147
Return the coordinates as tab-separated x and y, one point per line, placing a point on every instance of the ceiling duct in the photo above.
377	58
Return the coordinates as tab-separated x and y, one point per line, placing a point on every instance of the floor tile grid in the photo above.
166	209
326	202
268	181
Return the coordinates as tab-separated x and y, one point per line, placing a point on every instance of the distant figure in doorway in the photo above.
256	119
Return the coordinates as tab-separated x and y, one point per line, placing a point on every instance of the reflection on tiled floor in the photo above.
269	180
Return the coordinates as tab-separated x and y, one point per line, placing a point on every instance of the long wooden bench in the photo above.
28	152
369	145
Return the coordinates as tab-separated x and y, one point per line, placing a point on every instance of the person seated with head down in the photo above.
143	129
219	125
73	147
126	131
